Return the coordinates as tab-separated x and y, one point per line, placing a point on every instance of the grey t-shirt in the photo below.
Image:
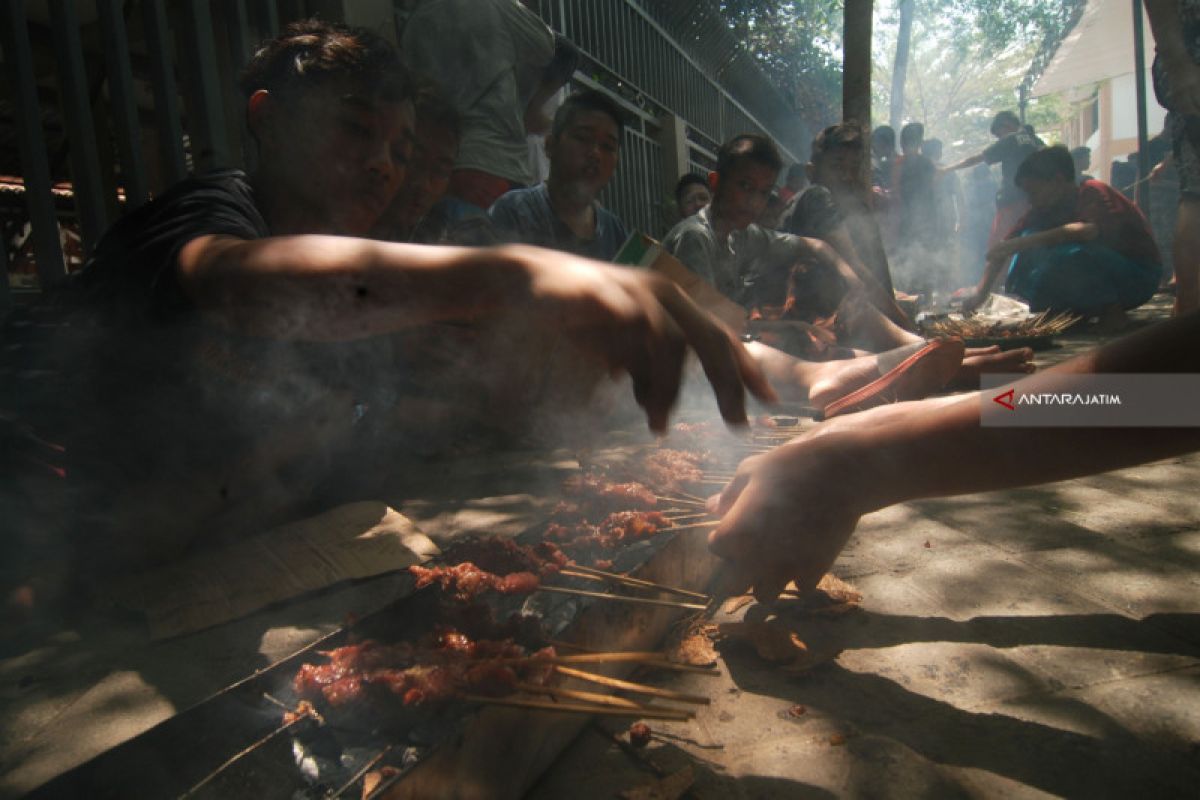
750	267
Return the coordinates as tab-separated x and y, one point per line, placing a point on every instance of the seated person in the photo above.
754	267
225	319
415	214
563	213
691	194
835	210
1082	248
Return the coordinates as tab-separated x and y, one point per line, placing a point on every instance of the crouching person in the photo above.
1082	247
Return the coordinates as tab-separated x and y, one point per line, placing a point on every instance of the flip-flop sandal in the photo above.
906	373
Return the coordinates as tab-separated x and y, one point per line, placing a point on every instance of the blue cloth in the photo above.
1084	277
526	215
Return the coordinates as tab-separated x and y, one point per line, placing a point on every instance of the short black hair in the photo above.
885	135
844	135
686	181
587	100
1045	165
932	148
912	133
310	52
1002	120
748	148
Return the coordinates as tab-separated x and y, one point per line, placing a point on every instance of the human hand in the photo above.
971	299
641	323
787	515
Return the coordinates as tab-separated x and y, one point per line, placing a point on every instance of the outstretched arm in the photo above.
1002	252
337	288
970	161
787	514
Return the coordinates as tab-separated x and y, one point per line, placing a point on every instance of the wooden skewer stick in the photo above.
622	598
653	660
695	525
573	694
649	659
630	686
692	515
683	501
580	708
642	582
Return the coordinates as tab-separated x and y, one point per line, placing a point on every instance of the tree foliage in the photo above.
968	56
797	43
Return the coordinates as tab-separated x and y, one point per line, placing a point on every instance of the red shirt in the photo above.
1122	226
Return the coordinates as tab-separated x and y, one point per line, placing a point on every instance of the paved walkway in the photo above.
1020	643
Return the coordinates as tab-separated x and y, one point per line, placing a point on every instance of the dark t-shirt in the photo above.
918	212
817	213
132	276
527	216
1009	151
1122	227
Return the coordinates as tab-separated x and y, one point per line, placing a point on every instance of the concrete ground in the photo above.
1041	641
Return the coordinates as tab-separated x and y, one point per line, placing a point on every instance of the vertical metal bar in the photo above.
242	45
1142	192
241	41
35	169
77	116
166	94
269	17
210	142
5	289
125	113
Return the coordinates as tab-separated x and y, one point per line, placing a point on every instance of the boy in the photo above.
834	210
224	378
415	214
1082	248
564	213
1014	143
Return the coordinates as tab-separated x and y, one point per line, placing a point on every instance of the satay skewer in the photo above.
631	581
575	694
622	598
580	708
630	686
695	525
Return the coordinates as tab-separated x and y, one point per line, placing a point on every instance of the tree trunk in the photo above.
856	69
856	61
900	70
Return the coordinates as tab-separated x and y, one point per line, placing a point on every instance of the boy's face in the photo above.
743	193
839	168
342	154
585	154
695	197
427	177
1046	195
